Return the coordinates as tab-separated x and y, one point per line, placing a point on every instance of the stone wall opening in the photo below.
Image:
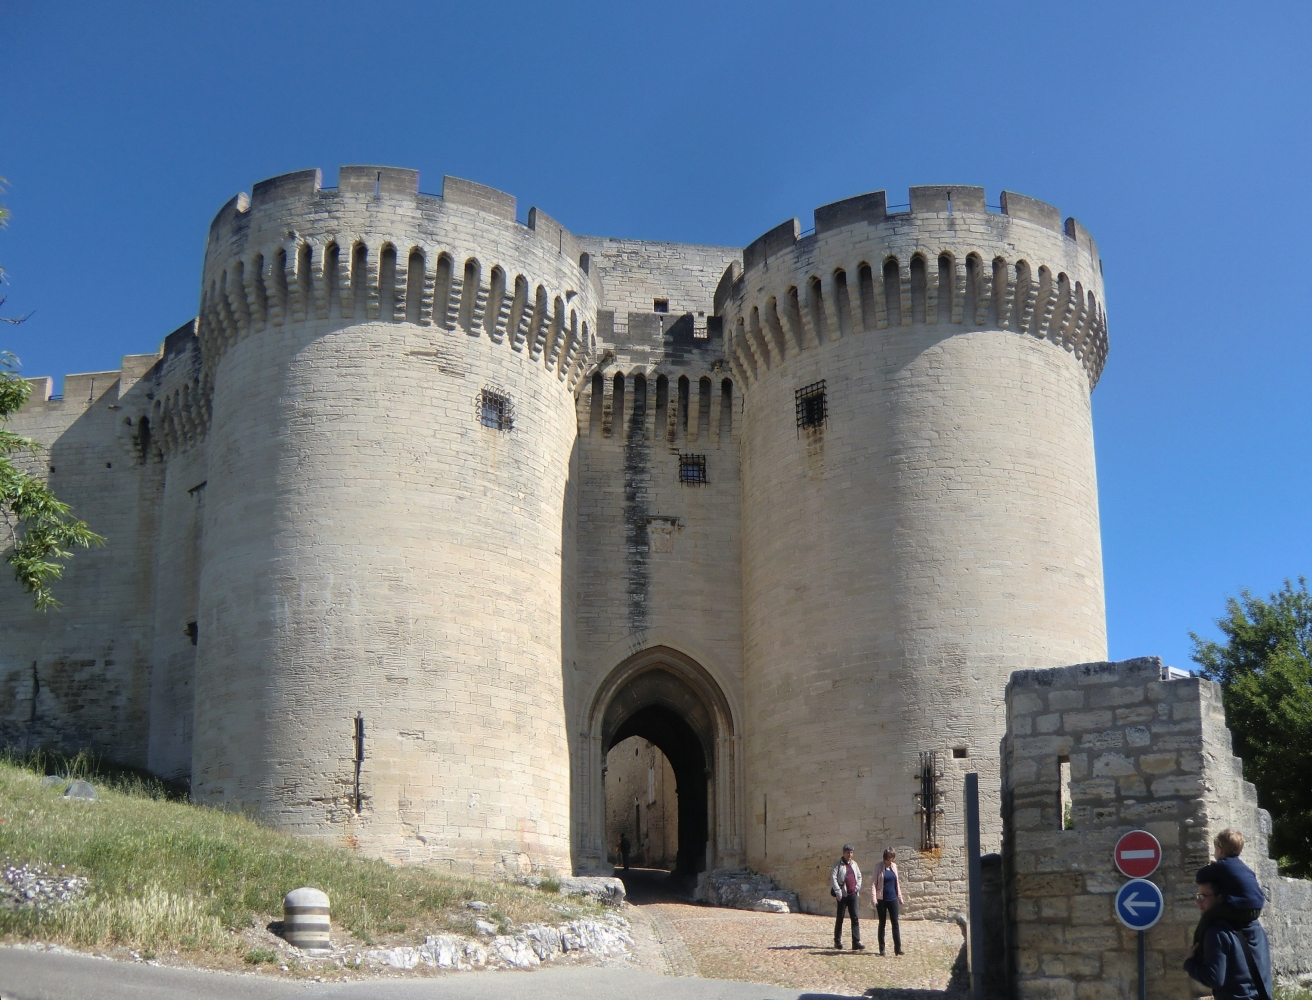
661	708
642	805
668	708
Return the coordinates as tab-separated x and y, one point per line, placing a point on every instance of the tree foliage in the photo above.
41	531
1265	671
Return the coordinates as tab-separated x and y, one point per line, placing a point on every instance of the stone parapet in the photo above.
376	249
947	261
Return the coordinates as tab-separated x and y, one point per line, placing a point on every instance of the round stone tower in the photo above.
384	607
920	516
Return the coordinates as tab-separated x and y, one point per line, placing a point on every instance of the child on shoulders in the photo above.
1244	898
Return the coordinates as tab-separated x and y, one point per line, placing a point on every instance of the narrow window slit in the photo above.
1065	817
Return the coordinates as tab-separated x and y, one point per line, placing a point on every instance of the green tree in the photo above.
1265	671
42	532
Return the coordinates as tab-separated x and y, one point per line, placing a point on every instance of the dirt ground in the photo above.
796	950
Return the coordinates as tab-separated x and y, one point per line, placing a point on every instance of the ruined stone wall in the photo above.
1147	749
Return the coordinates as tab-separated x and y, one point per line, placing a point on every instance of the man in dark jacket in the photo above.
845	886
1234	962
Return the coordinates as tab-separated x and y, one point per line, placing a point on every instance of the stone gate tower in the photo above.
919	510
507	497
380	543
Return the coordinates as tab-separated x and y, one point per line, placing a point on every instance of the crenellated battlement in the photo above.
376	249
487	493
682	405
946	260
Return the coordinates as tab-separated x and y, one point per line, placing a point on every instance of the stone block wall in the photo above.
933	529
641	803
1147	748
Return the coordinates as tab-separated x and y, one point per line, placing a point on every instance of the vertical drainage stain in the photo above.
637	477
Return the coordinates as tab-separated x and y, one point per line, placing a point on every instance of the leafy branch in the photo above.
4	221
41	531
1264	667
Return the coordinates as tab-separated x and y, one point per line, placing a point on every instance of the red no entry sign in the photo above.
1138	854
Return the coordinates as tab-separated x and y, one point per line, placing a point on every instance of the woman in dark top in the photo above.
886	894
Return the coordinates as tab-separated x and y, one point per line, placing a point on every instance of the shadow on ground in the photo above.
892	994
655	885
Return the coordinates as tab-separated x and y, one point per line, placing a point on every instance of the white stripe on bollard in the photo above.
305	919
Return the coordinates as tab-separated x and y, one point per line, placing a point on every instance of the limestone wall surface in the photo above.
78	677
659	558
390	452
1146	748
636	274
930	528
467	480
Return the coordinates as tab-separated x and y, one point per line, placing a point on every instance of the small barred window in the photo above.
812	411
495	410
692	470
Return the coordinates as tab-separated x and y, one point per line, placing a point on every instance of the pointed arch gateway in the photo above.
671	700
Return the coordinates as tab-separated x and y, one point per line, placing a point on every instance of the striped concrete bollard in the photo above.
305	922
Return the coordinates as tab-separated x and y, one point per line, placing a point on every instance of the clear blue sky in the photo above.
1178	133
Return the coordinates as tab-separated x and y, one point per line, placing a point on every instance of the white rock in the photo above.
443	951
483	927
545	941
397	958
606	888
771	906
514	949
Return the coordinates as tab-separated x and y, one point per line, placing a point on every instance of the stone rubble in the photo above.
606	888
537	943
742	889
39	885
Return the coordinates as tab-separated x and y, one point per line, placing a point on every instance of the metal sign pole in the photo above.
976	882
1143	984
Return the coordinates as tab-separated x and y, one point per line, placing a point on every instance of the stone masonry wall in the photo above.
638	774
935	530
1147	749
78	677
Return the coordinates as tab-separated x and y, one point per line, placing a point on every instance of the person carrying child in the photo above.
1242	898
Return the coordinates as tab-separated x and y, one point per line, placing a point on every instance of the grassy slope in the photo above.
169	875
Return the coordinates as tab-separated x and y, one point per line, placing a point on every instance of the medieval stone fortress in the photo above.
430	510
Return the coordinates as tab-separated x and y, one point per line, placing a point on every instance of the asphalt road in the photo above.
38	975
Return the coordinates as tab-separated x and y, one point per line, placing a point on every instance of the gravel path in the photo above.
796	950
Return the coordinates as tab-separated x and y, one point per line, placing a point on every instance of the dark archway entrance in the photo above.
666	698
663	727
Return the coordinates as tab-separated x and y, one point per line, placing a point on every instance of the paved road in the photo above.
36	975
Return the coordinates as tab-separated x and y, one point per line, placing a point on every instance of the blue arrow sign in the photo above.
1139	904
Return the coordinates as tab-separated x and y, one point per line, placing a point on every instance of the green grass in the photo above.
165	874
